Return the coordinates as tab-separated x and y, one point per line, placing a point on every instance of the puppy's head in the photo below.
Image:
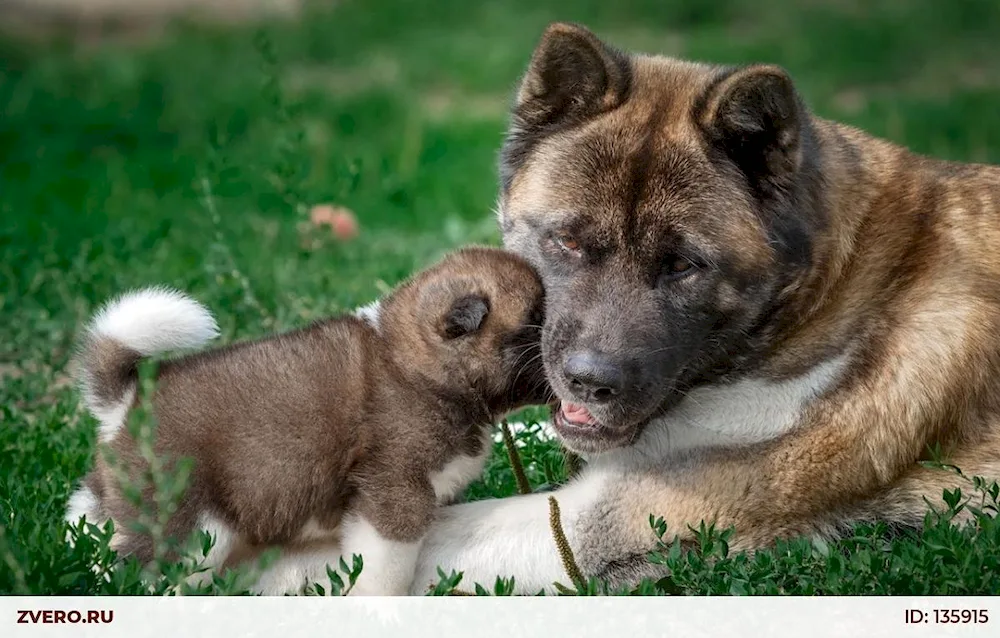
471	326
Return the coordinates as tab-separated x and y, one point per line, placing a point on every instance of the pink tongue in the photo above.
577	414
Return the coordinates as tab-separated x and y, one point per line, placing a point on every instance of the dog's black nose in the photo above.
593	376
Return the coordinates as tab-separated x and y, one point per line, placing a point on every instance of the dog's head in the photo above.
471	325
667	205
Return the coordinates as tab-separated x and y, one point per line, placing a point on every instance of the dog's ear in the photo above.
572	74
755	116
572	77
465	316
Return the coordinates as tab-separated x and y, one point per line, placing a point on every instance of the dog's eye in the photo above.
677	267
567	242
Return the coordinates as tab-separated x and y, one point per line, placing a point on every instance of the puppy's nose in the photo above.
593	376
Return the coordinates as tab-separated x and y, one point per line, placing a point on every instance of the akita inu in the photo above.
754	316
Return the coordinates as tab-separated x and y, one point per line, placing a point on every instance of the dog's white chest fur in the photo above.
742	413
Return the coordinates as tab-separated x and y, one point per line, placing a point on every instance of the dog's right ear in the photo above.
572	74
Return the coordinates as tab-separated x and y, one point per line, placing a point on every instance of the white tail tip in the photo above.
155	320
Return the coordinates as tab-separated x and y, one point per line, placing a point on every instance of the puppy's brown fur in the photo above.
295	429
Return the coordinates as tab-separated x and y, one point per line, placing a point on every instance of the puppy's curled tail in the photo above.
136	325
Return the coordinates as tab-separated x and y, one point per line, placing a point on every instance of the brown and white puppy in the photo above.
754	316
352	429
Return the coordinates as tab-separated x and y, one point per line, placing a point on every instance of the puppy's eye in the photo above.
566	242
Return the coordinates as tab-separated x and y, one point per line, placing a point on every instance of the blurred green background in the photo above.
188	156
393	108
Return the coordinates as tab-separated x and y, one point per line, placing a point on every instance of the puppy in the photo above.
352	429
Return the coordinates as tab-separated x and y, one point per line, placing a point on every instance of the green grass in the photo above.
187	162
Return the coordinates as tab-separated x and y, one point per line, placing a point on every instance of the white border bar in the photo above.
673	617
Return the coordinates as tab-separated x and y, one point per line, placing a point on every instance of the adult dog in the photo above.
755	317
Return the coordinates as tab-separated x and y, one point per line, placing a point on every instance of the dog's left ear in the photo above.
465	316
755	116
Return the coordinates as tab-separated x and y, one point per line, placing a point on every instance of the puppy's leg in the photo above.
297	567
225	538
388	564
86	502
83	503
387	531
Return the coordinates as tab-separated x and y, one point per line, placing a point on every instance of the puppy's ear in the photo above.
465	316
755	116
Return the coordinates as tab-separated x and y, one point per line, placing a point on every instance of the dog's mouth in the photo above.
574	415
593	427
581	431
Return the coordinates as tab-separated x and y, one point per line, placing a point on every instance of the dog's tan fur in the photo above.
290	432
906	277
820	244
